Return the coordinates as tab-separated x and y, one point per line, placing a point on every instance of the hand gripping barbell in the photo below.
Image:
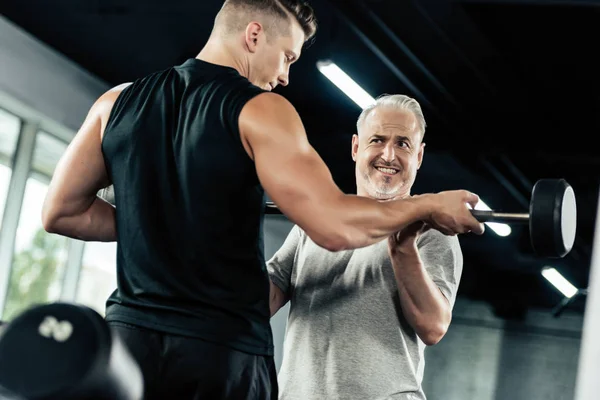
552	217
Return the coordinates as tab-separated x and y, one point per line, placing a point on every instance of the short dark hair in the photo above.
298	9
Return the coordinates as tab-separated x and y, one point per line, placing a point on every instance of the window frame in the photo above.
22	169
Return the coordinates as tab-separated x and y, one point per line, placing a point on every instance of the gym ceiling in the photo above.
509	90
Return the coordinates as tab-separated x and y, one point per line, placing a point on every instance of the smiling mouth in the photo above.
387	171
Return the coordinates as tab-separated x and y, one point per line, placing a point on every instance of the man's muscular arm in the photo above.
427	276
71	207
423	304
300	183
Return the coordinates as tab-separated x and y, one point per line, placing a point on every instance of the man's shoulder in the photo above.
305	243
298	231
437	239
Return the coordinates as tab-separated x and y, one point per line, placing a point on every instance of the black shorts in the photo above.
179	367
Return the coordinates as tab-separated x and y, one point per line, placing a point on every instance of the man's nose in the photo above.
388	153
284	79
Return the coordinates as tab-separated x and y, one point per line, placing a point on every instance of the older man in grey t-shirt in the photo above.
360	319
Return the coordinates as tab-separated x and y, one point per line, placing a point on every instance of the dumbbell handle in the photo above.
493	216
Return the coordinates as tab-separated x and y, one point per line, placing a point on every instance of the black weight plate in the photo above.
552	218
41	357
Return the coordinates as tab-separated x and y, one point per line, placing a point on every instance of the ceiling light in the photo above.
500	229
346	84
559	281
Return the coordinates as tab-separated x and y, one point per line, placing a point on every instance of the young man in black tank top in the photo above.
189	151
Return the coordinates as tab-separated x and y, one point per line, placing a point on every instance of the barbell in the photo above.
65	351
552	217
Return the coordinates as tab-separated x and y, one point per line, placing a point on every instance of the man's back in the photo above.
189	208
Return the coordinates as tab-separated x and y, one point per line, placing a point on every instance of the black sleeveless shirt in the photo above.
189	209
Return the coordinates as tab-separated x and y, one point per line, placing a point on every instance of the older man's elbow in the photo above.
432	334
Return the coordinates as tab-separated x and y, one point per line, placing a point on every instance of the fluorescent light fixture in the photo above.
559	281
500	229
346	84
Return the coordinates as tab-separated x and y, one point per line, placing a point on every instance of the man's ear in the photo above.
420	155
354	146
253	36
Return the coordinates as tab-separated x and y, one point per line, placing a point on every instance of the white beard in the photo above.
383	192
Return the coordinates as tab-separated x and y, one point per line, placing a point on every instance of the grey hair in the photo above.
397	102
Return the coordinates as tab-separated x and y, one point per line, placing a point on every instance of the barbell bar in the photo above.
552	217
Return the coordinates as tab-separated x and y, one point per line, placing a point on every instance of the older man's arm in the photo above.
277	298
280	268
427	277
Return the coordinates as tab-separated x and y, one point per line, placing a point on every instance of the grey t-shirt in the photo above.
346	337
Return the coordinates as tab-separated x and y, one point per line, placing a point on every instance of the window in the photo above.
98	276
39	258
10	126
47	153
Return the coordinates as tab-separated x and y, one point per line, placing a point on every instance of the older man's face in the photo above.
388	152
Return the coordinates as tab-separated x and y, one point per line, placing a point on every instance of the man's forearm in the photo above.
96	223
423	304
359	221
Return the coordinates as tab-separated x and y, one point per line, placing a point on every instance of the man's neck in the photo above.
218	52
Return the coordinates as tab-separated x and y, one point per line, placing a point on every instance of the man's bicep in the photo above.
281	265
277	298
280	268
288	167
80	172
442	257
